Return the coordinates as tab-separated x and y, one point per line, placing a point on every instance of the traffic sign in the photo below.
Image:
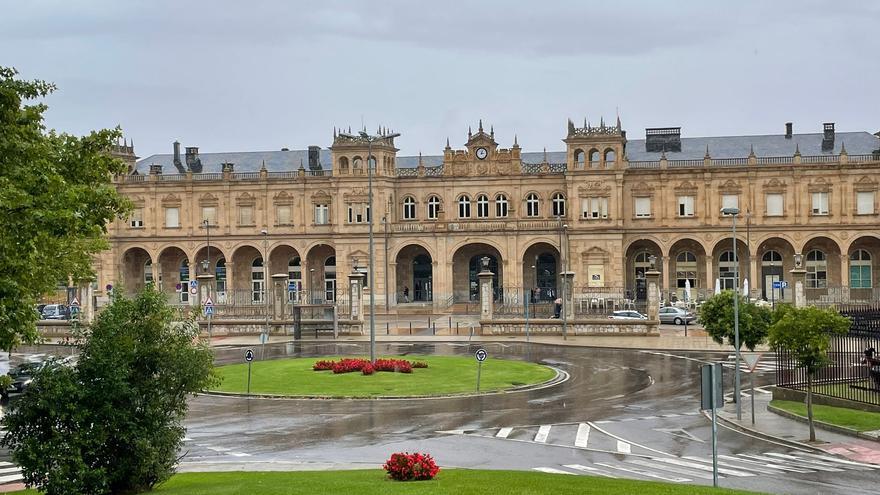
784	284
209	310
777	284
109	287
194	291
291	286
193	284
249	355
481	355
209	302
178	287
264	337
75	302
751	359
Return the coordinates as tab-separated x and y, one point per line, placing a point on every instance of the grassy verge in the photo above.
845	390
373	482
444	375
840	416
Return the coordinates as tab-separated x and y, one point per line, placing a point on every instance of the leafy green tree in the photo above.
113	423
56	199
806	334
716	316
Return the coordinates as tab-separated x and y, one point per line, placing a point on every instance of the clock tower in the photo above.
481	156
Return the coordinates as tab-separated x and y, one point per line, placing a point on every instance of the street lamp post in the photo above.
370	139
733	212
265	234
206	267
385	270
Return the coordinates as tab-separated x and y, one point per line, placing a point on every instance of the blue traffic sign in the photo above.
291	286
777	284
193	284
249	355
481	355
209	310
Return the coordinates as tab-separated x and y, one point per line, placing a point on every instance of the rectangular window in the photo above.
172	218
820	203
730	201
860	277
865	203
593	208
774	205
282	215
643	207
209	213
685	206
137	218
322	214
358	213
246	215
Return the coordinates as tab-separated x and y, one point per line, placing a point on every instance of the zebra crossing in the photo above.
9	473
689	469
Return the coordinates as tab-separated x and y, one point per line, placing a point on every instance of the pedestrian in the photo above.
558	310
405	293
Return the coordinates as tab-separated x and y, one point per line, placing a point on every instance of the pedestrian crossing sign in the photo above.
209	310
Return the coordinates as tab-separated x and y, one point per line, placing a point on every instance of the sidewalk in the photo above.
796	434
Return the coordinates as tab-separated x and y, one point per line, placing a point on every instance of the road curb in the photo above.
822	425
766	436
560	377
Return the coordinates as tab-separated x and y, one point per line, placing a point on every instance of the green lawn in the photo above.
374	482
444	375
840	416
845	390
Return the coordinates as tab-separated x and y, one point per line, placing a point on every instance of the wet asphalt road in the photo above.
623	413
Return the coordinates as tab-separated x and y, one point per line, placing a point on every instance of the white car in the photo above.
627	315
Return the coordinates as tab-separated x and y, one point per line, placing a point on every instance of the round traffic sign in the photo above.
249	355
481	355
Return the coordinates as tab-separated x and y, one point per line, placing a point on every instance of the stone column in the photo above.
653	280
487	303
710	275
665	283
567	295
754	283
798	277
87	309
279	289
355	295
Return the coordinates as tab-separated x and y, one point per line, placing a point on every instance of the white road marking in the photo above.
600	430
804	465
591	470
695	465
10	470
543	433
802	461
770	464
11	478
671	469
4	463
755	468
503	432
642	472
238	454
775	463
623	447
582	436
553	470
841	461
216	449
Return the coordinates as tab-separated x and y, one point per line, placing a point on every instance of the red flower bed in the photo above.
350	365
403	466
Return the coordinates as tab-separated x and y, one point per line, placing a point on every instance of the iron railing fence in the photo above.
849	375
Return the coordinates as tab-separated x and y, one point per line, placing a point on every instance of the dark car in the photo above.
23	374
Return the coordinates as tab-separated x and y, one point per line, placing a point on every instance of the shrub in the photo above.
403	466
419	364
349	365
367	369
323	366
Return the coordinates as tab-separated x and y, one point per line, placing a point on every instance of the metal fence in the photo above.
587	302
850	375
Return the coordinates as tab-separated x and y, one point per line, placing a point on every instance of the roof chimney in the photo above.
660	139
314	158
788	130
177	164
193	162
828	136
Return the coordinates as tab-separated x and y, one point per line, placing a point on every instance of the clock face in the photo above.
482	153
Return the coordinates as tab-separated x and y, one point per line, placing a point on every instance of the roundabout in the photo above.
444	376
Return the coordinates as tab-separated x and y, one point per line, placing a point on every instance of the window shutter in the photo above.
865	202
774	205
172	217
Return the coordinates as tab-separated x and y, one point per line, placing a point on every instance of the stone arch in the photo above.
465	284
862	260
636	264
343	165
171	272
414	273
541	268
579	158
609	157
774	257
320	274
137	270
687	266
594	157
817	282
727	269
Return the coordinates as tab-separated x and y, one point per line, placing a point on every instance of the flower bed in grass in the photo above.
351	365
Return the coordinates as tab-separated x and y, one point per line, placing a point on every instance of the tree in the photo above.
806	334
55	202
113	423
716	316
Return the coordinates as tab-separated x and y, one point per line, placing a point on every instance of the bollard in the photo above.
434	328
450	323
387	331
456	328
410	328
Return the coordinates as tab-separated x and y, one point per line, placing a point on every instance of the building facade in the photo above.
606	208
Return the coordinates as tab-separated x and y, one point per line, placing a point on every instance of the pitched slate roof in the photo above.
856	143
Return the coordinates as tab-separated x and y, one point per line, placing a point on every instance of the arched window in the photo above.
817	270
686	269
482	206
771	257
501	206
357	165
373	162
148	272
343	165
220	276
258	281
610	158
464	206
558	205
434	207
294	279
579	156
532	205
409	208
594	158
728	270
330	279
184	281
860	276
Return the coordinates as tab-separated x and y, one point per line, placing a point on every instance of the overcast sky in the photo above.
262	75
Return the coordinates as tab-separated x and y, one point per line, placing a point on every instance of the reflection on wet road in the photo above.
622	413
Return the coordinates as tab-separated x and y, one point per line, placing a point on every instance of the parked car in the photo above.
627	315
23	374
679	316
56	312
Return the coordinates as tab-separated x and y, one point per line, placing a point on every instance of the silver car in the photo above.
627	315
675	315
